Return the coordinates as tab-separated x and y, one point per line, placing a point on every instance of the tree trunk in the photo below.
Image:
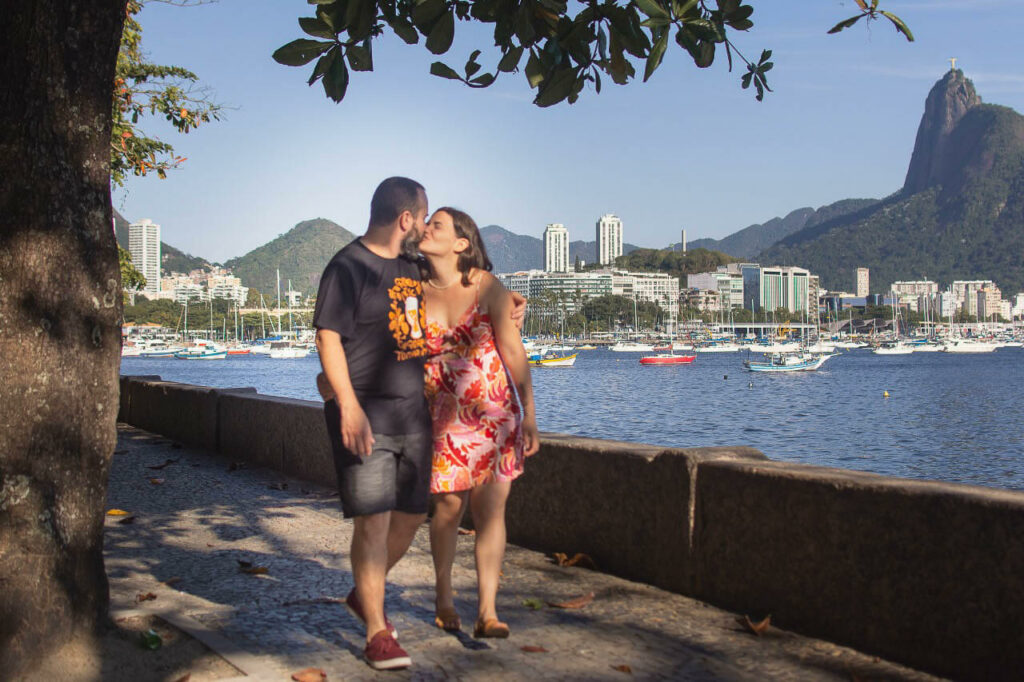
60	307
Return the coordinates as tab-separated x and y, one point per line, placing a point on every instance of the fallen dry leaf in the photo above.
310	675
127	520
161	466
156	481
623	669
756	628
117	512
466	531
172	581
578	559
184	678
530	649
577	603
140	597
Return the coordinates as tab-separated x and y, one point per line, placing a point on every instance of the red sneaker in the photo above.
383	653
356	609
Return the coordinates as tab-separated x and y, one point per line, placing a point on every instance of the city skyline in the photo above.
658	181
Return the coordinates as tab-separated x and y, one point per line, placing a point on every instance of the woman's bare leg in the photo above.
444	531
488	505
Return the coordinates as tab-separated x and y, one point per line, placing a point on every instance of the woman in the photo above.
481	432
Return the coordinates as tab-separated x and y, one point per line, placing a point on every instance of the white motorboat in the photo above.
632	347
968	346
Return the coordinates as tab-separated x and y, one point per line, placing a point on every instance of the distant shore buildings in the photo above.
556	248
609	239
144	247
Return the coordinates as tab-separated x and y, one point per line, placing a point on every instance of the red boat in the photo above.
238	351
667	359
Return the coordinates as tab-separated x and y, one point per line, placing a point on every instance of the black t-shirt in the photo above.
376	305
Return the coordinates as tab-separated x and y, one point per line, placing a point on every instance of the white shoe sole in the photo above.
391	663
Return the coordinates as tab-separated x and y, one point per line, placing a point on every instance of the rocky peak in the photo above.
950	98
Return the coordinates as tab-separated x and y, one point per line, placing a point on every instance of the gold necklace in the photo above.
439	287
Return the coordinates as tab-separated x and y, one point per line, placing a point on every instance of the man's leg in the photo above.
369	557
401	532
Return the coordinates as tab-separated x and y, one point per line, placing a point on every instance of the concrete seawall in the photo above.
925	573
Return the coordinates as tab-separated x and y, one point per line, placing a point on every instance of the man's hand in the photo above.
518	309
355	430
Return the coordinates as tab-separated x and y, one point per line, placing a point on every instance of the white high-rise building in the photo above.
144	247
556	248
609	239
863	280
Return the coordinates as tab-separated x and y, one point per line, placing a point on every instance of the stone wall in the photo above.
925	573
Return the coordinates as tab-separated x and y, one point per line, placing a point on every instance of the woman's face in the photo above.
439	239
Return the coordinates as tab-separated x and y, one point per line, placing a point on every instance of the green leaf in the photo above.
404	30
441	36
534	70
360	57
316	27
471	67
150	640
597	81
322	65
444	71
602	43
655	22
510	60
557	88
898	23
483	80
426	13
336	80
657	53
652	8
534	603
301	51
845	23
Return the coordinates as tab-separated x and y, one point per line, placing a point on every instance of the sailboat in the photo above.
632	346
545	360
898	346
668	358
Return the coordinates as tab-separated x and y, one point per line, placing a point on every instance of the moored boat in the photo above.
667	359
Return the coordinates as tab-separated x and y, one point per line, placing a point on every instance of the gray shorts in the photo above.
394	477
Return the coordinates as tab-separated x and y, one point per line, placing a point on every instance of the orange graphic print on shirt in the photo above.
407	319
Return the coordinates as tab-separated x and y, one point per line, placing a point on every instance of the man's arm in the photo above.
355	427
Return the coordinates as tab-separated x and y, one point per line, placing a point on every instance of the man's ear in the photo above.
406	221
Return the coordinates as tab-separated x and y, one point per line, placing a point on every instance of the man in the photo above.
372	342
370	322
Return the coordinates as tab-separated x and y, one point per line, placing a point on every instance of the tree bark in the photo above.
60	310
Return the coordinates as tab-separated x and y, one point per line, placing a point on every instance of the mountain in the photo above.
171	259
959	215
754	239
300	254
511	252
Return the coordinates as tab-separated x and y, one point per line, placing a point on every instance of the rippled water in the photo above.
949	417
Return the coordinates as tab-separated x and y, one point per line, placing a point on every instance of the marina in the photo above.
949	416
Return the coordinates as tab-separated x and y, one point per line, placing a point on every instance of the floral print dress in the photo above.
476	415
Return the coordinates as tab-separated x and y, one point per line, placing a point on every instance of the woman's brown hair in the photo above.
475	255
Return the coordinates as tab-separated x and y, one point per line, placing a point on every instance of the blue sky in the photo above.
689	149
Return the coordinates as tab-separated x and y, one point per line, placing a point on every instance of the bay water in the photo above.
948	417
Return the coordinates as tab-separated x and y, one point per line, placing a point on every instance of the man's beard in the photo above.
411	244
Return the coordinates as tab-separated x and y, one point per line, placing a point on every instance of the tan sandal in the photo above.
447	619
492	627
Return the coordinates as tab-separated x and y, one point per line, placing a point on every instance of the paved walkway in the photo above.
203	514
